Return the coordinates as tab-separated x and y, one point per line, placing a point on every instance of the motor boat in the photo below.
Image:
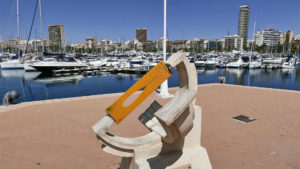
98	63
211	63
12	64
112	62
200	63
136	62
289	63
254	65
59	63
235	64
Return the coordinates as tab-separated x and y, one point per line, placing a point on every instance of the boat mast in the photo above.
18	26
253	37
290	44
164	93
41	21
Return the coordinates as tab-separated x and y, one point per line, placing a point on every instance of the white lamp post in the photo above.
164	93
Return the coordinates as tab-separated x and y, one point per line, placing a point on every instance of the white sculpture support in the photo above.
175	138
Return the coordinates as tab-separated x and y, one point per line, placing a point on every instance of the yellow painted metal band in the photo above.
150	82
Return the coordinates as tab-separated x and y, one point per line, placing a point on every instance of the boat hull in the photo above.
11	65
29	68
50	69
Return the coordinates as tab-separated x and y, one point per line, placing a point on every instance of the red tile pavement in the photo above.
58	134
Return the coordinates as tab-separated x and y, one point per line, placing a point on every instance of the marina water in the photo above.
33	86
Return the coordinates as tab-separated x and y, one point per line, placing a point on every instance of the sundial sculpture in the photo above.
175	128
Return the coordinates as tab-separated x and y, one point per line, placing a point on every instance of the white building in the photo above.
105	44
250	42
211	44
137	44
297	37
91	42
233	42
281	41
270	37
259	40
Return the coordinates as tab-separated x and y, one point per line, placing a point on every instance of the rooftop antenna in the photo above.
164	93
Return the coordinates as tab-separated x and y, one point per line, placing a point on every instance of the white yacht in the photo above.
235	64
288	64
12	64
28	67
112	62
136	62
254	65
29	62
98	63
58	64
211	63
200	63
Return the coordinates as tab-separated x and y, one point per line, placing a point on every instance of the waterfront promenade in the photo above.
58	133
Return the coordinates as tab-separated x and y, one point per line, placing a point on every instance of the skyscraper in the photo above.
57	35
244	23
141	34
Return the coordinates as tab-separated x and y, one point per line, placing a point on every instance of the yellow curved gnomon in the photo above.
150	81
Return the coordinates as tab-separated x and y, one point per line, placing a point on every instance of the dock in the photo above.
58	133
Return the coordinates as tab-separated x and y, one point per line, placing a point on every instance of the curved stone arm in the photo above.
176	117
120	143
174	108
186	71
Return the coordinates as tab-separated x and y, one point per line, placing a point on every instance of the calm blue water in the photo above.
33	86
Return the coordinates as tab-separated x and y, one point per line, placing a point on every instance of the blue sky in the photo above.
108	18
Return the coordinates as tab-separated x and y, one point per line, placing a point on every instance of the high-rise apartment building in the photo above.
288	37
244	23
288	40
269	37
141	34
57	35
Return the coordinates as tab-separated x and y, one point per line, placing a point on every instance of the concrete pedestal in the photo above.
185	154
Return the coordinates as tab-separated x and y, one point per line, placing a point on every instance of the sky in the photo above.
107	19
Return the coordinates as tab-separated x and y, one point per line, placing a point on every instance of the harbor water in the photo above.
33	86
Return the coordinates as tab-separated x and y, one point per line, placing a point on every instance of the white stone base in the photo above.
186	154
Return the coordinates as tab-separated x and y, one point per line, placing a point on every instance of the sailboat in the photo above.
253	64
28	63
237	63
289	61
15	63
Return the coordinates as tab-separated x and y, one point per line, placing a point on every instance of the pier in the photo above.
57	133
